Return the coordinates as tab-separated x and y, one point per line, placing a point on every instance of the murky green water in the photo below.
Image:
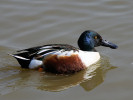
27	23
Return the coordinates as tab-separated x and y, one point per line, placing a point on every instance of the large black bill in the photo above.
108	44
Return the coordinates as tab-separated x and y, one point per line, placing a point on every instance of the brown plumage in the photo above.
63	64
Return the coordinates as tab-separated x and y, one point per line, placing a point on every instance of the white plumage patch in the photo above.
64	53
89	58
35	63
46	47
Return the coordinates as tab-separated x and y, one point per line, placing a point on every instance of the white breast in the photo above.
89	58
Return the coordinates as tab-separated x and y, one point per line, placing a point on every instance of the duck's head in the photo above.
91	39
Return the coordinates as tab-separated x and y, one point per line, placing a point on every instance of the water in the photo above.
26	23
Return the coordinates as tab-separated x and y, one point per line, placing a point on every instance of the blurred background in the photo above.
27	23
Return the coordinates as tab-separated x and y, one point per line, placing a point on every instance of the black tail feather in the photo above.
24	62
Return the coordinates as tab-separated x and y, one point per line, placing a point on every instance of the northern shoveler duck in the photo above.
63	58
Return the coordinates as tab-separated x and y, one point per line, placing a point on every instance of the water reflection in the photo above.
100	73
13	78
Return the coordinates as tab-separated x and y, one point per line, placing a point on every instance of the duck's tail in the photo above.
24	62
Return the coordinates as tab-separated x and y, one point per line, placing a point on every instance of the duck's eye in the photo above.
95	37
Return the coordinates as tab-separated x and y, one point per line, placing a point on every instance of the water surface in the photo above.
26	23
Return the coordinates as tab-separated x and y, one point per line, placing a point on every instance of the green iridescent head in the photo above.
89	39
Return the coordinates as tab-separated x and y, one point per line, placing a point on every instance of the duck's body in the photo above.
63	58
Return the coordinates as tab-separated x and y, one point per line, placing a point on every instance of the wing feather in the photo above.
44	50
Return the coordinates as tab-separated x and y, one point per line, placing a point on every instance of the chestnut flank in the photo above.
63	64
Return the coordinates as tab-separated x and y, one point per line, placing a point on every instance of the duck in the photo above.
64	58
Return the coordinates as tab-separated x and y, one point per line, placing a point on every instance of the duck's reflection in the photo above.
88	79
98	78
